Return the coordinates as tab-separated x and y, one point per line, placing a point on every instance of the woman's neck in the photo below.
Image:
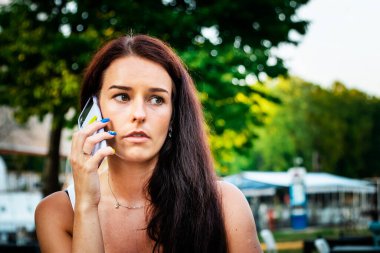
127	180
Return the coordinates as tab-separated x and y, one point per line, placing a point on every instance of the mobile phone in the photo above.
90	113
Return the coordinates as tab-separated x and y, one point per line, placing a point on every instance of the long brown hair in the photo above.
187	212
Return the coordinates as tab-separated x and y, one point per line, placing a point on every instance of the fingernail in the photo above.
112	132
105	120
93	119
113	150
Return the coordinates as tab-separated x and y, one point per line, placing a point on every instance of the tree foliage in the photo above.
46	45
334	130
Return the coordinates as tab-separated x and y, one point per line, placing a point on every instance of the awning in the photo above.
315	182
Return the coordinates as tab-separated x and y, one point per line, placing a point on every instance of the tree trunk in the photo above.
51	171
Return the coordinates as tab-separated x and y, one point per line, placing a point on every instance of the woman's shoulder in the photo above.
230	194
55	200
54	218
232	198
238	218
55	209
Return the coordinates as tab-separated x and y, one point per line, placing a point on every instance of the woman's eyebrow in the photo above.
121	87
158	90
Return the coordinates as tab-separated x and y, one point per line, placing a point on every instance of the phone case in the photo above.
90	113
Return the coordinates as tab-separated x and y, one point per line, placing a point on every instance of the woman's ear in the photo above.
170	132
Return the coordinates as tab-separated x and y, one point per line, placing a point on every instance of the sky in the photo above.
342	44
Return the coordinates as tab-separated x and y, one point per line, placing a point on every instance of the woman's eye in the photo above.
122	97
157	100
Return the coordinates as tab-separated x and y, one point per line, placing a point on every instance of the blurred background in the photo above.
289	90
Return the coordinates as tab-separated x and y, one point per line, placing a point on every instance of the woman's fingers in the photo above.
80	136
98	157
90	163
84	141
85	166
93	128
92	140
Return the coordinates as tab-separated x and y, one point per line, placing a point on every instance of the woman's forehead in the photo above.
133	70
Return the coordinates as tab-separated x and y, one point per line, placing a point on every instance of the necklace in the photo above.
117	203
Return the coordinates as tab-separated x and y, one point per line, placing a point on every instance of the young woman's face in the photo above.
136	95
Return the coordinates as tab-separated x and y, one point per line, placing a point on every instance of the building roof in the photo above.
31	138
315	182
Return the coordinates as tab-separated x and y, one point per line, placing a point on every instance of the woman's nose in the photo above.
138	111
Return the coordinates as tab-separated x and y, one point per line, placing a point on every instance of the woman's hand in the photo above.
85	166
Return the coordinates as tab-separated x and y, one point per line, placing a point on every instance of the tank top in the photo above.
70	191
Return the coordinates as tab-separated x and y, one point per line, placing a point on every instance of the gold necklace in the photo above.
117	203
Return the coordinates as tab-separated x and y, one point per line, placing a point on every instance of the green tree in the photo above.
334	130
286	133
358	112
46	45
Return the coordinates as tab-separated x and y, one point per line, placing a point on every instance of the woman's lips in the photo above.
137	137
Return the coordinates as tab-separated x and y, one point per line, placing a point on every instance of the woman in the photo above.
159	192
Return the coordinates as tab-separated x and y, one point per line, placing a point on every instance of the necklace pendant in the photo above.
117	205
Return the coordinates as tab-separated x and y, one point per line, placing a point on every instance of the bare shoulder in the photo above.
230	192
54	219
238	219
235	205
56	208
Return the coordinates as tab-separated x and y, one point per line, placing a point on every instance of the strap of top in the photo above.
71	192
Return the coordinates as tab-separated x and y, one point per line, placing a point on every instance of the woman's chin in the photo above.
139	156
